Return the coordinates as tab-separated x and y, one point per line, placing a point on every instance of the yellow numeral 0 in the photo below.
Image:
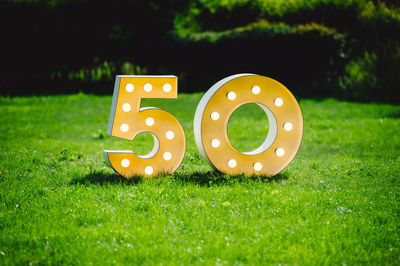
127	120
218	104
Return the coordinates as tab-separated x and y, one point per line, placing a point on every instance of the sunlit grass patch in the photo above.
336	203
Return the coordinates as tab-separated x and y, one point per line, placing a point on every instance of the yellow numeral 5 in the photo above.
127	120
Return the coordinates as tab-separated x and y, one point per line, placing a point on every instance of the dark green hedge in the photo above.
318	48
342	48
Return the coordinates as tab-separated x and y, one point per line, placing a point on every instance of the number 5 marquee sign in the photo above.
127	120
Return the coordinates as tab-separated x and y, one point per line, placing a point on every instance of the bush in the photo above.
318	48
291	54
347	49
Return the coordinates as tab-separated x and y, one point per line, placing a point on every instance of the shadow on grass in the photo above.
395	114
102	177
210	178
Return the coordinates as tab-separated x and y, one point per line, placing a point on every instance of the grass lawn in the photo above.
338	202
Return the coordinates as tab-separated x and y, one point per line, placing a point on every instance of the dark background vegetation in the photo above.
348	49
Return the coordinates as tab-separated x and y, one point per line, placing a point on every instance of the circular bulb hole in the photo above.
125	163
170	134
231	95
214	115
126	107
149	121
148	87
288	126
124	127
280	152
167	87
129	87
278	102
215	143
256	90
257	166
148	170
232	163
167	156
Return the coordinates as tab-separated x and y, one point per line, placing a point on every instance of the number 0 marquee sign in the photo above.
127	120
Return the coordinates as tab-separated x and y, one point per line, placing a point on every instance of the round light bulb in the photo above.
124	127
256	90
149	121
257	166
280	152
288	126
148	170
232	163
214	115
167	87
170	134
125	163
215	143
167	156
129	87
148	87
278	102
126	107
231	95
